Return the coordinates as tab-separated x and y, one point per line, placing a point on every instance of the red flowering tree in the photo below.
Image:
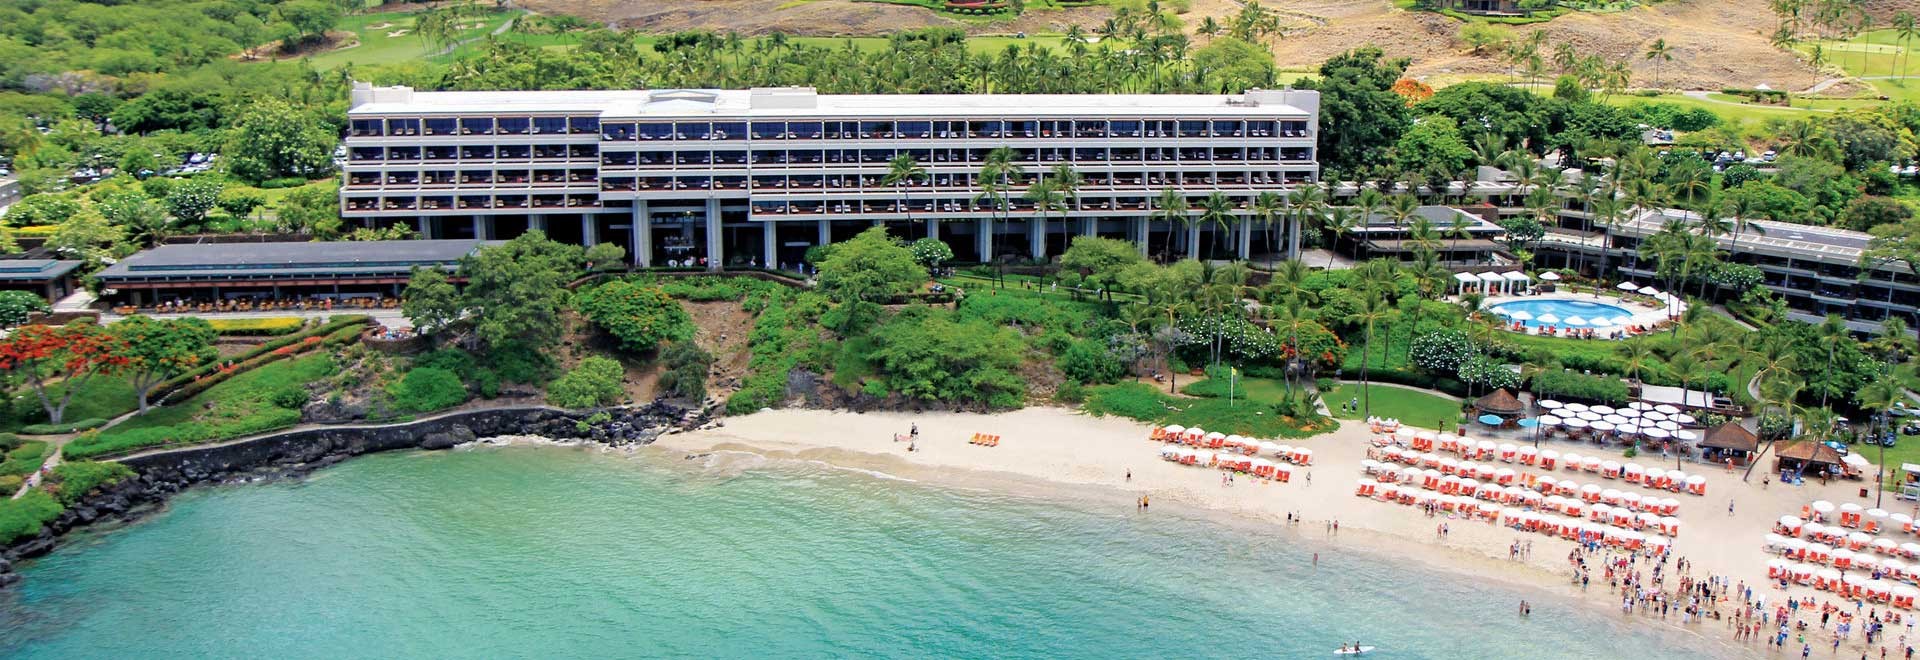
70	355
156	350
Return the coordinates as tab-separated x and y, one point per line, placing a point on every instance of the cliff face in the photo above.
162	474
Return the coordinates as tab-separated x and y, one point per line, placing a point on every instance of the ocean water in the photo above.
545	552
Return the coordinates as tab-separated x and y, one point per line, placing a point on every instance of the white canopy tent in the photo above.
1516	281
1463	280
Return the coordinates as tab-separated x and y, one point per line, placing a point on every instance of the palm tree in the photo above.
1660	55
1340	221
1636	357
1831	332
1458	229
1067	182
1047	199
998	174
1291	318
1373	310
1401	209
1268	206
1216	210
1905	28
1368	202
1307	202
902	171
1881	396
1171	208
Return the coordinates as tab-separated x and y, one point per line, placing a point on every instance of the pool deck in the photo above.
1644	311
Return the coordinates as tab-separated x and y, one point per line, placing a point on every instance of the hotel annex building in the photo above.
760	175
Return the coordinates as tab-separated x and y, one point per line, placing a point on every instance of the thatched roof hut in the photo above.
1500	402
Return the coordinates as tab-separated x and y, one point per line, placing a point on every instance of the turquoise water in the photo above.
529	552
1594	314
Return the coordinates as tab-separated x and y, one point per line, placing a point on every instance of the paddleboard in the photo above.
1359	651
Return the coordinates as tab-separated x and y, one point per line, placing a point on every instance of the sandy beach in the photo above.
1066	447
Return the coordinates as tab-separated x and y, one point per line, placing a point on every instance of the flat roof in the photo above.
1441	217
1829	244
240	260
35	270
804	102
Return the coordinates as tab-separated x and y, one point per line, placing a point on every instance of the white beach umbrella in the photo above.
1615	419
1667	426
1639	405
1657	434
1588	415
1575	320
1574	423
1653	415
1604	410
1519	315
1601	425
1576	407
1667	408
1549	318
1549	404
1684	434
1822	506
1627	286
1684	418
1550	276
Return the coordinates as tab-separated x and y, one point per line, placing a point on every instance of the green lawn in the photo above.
1148	403
101	397
1413	408
383	46
244	404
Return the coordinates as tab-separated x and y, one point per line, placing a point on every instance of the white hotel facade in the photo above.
740	176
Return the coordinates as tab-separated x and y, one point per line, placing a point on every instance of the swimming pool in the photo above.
1562	312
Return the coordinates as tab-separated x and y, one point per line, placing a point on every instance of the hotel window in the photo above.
1023	128
768	130
476	202
1259	129
476	176
442	152
916	129
476	126
583	124
656	131
992	128
439	178
360	154
805	130
730	158
1126	128
619	158
583	151
476	152
618	132
1193	129
515	125
692	130
619	184
440	126
436	202
730	182
1293	129
363	179
1227	128
366	128
729	130
403	153
515	152
403	127
548	177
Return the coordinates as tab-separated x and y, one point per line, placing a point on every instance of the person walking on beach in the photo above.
1129	476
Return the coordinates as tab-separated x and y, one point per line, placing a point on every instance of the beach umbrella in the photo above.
1520	315
1549	420
1405	433
1653	415
1604	410
1627	286
1575	423
1652	292
1490	420
1684	418
1528	423
1657	434
1667	426
1550	276
1639	405
1601	425
1549	404
1822	507
1576	407
1270	447
1588	415
1549	318
1685	435
1666	408
1615	419
1575	320
1176	429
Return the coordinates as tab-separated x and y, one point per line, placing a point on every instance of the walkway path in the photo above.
1700	95
496	32
53	459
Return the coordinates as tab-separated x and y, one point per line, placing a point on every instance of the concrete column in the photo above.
1089	226
424	226
826	233
1141	233
480	227
716	243
1037	236
538	221
983	240
1246	238
589	229
933	228
769	245
642	247
1193	241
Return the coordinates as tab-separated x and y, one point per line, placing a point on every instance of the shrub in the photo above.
1089	362
1585	387
596	382
25	459
1488	372
292	397
23	517
257	327
77	478
686	369
10	484
1442	351
8	442
426	389
283	182
639	316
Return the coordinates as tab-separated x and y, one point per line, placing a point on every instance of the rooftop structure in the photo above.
278	270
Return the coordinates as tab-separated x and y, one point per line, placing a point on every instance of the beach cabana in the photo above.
1808	458
1730	440
1516	281
1500	403
1462	281
1491	283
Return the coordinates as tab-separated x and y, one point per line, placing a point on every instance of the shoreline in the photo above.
1048	452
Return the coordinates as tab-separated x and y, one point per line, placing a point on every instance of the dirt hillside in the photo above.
1716	43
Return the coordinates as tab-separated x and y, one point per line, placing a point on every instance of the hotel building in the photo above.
758	176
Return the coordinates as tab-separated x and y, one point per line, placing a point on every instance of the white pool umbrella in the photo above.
1575	423
1601	425
1549	318
1653	415
1640	405
1615	419
1520	315
1627	286
1575	320
1588	415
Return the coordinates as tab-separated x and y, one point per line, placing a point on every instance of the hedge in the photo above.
23	517
260	327
77	478
24	460
67	427
336	331
1584	387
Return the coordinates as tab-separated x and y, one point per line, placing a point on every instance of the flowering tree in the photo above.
69	355
156	350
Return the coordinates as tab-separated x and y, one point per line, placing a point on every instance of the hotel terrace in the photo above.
719	177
